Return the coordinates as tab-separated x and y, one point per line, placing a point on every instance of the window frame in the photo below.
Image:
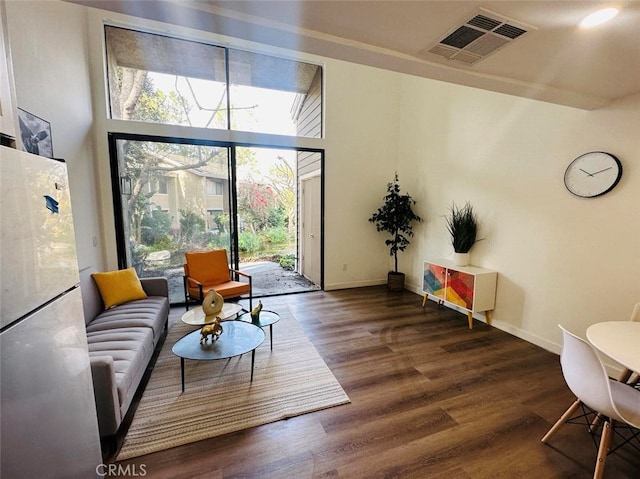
227	51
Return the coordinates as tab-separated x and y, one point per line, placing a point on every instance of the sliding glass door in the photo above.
173	197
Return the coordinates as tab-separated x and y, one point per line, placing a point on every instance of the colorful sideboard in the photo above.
469	287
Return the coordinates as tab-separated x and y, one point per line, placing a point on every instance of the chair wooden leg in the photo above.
605	441
595	424
567	415
625	375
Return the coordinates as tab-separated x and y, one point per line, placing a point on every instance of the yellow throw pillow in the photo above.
118	287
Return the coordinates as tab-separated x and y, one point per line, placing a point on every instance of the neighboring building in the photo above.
202	190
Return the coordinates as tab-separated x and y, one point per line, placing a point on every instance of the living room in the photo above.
560	259
443	152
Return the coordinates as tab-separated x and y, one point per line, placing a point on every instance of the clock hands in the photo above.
593	174
602	170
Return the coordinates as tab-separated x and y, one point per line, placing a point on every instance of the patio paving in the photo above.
268	279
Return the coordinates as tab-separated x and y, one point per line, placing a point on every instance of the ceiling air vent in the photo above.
478	37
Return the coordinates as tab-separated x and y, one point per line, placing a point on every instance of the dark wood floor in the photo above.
430	399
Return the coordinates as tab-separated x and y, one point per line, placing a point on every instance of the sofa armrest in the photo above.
158	286
106	394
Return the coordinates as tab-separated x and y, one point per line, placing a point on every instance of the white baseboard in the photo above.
354	284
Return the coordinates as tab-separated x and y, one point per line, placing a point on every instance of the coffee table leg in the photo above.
253	358
182	372
271	335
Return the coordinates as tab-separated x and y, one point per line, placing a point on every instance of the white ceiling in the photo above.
555	61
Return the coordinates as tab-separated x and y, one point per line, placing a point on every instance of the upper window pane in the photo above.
154	78
160	79
267	94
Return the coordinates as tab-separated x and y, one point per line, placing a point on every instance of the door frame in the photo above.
116	193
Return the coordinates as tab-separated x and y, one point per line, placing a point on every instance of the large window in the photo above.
154	78
195	189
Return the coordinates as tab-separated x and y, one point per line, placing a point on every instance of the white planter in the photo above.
461	259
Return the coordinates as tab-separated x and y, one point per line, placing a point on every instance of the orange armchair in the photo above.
205	270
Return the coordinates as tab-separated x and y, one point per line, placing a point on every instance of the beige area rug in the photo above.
219	398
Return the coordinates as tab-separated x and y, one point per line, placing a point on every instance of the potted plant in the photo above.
462	225
395	217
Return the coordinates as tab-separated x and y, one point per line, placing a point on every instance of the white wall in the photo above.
360	159
560	258
51	70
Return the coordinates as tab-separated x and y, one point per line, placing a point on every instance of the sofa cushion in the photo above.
130	348
119	339
119	287
151	312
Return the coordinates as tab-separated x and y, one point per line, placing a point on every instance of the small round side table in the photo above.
266	318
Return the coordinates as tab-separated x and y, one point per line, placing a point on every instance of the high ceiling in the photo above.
555	60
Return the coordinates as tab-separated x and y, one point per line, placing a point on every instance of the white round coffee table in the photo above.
196	316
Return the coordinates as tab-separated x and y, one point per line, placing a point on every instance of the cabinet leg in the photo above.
470	316
424	299
487	315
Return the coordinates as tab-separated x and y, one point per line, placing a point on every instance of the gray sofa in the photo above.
122	341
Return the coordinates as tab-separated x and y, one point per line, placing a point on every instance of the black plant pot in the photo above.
395	281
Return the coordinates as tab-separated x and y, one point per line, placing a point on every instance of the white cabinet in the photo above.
468	287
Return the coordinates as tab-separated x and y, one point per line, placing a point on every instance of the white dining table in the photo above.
619	340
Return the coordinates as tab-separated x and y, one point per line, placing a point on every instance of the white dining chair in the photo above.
586	377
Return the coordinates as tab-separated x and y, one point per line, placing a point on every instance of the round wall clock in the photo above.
593	174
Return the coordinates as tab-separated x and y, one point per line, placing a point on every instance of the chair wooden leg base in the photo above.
564	418
605	441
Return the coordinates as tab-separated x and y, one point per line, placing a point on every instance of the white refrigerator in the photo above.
47	411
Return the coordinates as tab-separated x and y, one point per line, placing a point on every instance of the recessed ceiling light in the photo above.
599	17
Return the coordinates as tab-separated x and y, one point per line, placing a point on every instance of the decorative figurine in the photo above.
214	330
255	312
212	303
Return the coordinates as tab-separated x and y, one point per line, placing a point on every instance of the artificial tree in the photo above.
395	217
